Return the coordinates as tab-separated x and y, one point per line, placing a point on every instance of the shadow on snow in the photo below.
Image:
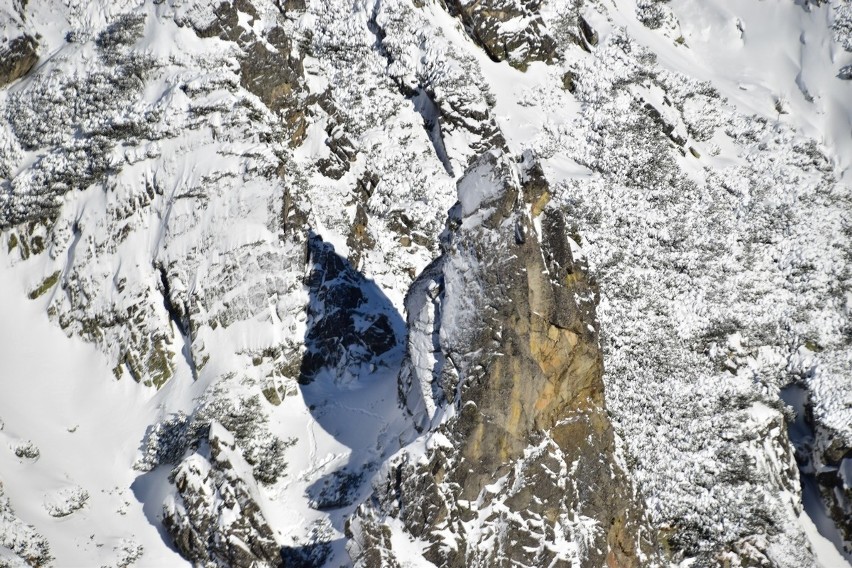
354	345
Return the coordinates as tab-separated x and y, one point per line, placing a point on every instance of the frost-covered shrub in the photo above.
562	20
708	286
35	112
336	490
20	538
168	441
76	118
650	13
842	23
66	501
27	450
315	552
247	421
123	32
54	107
128	551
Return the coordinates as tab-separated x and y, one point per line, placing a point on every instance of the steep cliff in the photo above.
503	377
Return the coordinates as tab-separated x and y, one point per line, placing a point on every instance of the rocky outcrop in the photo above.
17	57
824	460
159	183
836	489
508	30
215	519
446	85
504	376
346	326
269	66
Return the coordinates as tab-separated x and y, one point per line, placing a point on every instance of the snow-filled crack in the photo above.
802	437
178	321
423	102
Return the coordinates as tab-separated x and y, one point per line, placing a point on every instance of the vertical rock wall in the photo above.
520	465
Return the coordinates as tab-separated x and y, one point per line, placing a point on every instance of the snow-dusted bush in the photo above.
20	538
842	23
168	441
708	288
27	450
66	501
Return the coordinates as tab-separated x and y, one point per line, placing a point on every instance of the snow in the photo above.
820	529
47	378
826	552
778	147
478	189
762	53
846	472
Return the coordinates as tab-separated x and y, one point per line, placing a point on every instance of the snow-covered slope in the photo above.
425	282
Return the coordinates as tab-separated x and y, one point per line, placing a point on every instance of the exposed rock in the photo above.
168	441
823	459
359	236
505	367
370	543
215	519
568	81
337	490
17	57
267	65
588	32
667	128
312	554
346	328
156	199
508	30
274	76
219	20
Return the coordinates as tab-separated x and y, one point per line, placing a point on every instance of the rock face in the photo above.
346	328
267	65
17	57
215	519
508	30
509	395
825	463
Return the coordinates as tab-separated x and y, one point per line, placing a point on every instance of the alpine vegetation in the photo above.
426	283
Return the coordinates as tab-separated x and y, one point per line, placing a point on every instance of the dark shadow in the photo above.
179	320
307	556
807	4
354	346
350	320
425	106
150	489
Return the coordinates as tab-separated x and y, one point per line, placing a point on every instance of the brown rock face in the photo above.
17	57
493	24
273	75
515	386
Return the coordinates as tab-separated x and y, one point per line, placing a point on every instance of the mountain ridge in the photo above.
348	275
